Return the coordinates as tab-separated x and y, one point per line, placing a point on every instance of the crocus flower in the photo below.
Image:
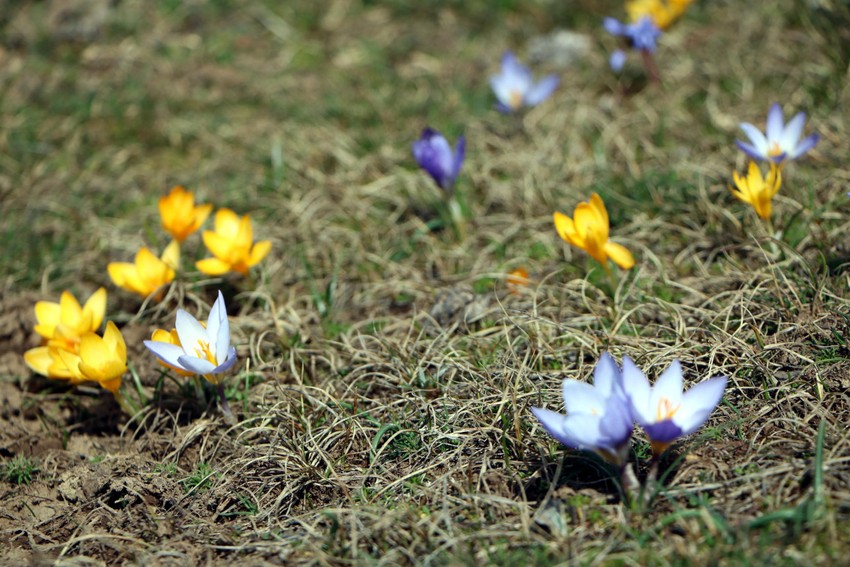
147	274
664	412
598	417
232	245
757	190
642	35
203	350
781	141
180	216
434	154
517	279
515	88
98	359
588	230
67	321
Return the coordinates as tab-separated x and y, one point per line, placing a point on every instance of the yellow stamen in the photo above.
666	409
203	351
515	99
774	150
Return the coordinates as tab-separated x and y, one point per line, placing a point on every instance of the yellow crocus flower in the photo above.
232	245
148	273
65	322
98	359
757	190
180	216
662	12
104	360
588	230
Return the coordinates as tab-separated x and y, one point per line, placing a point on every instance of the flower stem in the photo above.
456	217
199	389
229	418
650	66
630	483
612	279
125	404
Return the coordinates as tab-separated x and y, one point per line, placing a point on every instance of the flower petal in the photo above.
227	223
581	397
192	334
38	359
196	365
804	146
259	251
542	90
553	423
566	229
96	306
48	314
637	390
606	375
775	123
668	386
166	352
759	142
698	403
620	255
790	136
212	266
218	329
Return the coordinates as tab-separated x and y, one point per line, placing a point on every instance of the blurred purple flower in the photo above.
514	86
617	60
782	141
641	35
598	417
664	412
434	154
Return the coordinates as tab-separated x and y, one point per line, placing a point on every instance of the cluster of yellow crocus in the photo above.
231	244
72	349
662	12
758	190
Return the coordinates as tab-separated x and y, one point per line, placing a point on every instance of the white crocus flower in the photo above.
780	141
202	350
664	411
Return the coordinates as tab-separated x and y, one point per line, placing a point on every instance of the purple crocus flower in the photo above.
598	417
664	412
781	141
434	154
515	88
641	35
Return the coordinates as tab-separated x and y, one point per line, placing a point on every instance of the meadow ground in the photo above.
387	370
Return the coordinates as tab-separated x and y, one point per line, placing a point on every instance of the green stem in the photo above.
456	215
199	389
612	279
125	404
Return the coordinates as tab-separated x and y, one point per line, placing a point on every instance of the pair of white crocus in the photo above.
601	417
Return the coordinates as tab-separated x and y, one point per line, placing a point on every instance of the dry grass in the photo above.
387	370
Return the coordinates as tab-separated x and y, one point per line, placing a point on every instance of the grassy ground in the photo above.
386	369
